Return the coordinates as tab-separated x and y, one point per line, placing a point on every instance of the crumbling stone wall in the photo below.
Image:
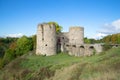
46	39
76	35
72	42
63	39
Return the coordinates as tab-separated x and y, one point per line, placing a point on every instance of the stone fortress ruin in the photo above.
50	43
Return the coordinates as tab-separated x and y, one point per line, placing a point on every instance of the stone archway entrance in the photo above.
82	50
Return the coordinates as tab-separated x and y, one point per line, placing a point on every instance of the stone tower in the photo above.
76	35
46	39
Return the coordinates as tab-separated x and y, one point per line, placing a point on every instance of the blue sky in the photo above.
98	17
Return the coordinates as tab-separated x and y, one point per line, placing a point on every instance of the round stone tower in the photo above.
76	35
46	39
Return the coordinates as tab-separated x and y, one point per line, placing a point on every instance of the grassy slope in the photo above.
105	66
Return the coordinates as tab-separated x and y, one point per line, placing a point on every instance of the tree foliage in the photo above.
112	39
34	41
5	43
12	48
24	45
9	55
58	27
86	40
91	41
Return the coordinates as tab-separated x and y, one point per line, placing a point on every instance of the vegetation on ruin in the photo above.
58	27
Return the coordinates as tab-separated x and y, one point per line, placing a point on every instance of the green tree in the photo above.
107	39
5	43
118	38
2	50
24	45
13	45
34	41
86	40
92	41
58	27
114	38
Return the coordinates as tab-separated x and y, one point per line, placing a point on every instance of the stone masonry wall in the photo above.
46	39
76	35
72	42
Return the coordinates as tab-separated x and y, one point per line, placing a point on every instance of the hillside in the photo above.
105	66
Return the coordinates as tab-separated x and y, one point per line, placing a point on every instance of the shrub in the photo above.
106	47
23	45
1	63
9	55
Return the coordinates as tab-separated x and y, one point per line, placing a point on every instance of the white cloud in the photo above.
107	29
111	28
116	24
15	35
98	35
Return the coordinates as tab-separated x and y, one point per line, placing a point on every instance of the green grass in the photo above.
104	66
34	62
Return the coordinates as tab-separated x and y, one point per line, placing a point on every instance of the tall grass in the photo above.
56	61
104	66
